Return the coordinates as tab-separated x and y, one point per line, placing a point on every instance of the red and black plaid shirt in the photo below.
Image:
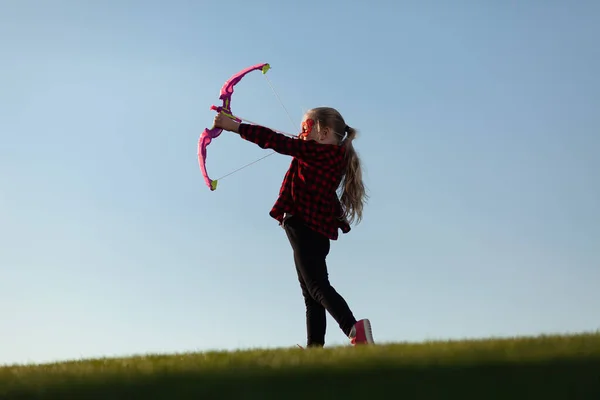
309	188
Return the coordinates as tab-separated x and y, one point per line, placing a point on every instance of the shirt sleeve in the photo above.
306	150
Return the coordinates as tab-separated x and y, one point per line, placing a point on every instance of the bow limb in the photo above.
209	134
205	138
227	89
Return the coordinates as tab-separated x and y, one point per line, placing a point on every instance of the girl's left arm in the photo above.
269	139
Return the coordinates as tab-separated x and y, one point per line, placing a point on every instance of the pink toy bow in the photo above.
209	134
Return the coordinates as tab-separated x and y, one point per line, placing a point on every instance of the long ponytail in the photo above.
353	193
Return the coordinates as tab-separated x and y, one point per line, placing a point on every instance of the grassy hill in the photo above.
545	367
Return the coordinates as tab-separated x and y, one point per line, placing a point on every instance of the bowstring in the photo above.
245	166
274	130
280	101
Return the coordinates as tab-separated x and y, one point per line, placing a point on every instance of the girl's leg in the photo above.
316	320
310	251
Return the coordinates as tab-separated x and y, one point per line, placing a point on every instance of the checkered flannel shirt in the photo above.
309	188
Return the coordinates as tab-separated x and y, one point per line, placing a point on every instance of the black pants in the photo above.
310	251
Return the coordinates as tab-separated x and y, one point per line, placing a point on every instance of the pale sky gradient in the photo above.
480	125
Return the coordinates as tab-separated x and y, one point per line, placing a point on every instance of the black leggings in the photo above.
310	251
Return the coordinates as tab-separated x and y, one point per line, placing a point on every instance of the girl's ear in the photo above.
324	133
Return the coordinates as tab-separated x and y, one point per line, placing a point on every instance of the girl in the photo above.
310	211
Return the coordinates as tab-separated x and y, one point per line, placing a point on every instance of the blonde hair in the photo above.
353	194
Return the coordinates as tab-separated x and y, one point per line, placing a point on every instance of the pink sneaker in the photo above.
361	333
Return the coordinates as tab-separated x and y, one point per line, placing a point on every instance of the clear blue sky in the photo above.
480	135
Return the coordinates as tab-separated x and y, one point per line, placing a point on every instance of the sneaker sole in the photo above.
368	331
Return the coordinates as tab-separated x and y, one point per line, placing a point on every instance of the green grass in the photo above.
545	367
